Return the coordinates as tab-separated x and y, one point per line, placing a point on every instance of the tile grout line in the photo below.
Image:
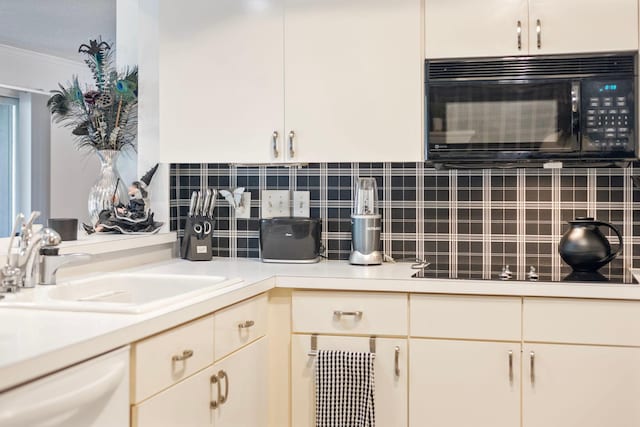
555	221
627	221
453	223
486	223
521	215
420	206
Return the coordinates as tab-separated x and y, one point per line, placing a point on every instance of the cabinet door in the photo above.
184	404
470	28
464	383
573	26
390	390
243	382
580	386
353	78
221	80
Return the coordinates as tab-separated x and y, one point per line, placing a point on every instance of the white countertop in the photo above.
34	343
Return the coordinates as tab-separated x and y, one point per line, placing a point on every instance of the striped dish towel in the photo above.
345	383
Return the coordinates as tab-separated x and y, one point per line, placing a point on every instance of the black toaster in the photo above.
290	240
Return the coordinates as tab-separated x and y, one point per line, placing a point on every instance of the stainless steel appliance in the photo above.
290	240
365	224
585	248
523	109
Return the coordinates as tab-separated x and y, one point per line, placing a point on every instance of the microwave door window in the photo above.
501	118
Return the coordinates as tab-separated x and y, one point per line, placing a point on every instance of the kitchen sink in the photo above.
118	293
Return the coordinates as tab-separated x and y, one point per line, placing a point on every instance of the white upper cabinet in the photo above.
468	28
351	71
221	80
574	26
471	28
353	80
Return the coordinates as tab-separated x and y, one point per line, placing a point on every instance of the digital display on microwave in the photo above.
608	88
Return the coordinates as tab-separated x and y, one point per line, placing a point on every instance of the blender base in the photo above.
358	258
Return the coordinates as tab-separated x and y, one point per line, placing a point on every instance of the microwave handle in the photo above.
575	97
575	109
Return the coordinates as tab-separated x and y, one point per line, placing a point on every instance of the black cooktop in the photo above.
609	275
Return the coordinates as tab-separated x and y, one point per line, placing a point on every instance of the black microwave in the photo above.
531	109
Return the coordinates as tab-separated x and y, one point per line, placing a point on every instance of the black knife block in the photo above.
196	243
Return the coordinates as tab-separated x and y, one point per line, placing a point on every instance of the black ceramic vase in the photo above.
585	248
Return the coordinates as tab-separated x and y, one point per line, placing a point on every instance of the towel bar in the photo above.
314	345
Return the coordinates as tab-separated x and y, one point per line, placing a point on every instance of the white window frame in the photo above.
11	97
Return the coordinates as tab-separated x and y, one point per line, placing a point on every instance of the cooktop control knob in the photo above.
506	273
532	274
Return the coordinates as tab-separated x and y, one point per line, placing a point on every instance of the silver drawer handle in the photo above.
292	151
222	375
339	313
532	367
510	366
274	137
519	32
184	356
539	33
214	403
246	324
396	362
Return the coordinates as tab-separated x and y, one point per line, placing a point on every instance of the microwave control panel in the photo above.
608	122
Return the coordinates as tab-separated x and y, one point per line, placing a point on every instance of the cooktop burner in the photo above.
474	272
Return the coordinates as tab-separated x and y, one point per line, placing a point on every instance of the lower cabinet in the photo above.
390	373
230	393
580	386
464	383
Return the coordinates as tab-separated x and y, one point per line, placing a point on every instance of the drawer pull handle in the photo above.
182	357
222	398
214	403
510	366
274	139
339	313
396	362
532	367
246	324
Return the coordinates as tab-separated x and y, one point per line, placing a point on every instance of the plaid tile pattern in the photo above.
452	218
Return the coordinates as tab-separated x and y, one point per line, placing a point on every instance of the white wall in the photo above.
138	27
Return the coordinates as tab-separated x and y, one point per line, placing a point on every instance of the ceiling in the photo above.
56	27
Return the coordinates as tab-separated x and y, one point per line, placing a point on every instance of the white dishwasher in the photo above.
94	393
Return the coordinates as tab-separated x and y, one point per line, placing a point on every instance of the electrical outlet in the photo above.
275	203
301	203
244	210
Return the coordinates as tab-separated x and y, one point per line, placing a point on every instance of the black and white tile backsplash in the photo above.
453	217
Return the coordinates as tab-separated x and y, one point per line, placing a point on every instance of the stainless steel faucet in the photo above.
51	261
25	266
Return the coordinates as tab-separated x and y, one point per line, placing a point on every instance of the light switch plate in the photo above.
301	203
275	203
244	210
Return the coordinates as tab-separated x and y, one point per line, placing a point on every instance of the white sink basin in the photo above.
118	293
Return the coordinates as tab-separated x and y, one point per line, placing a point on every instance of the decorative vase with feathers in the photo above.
103	118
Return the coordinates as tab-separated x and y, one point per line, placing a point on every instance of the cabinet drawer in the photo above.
466	317
581	321
367	313
239	325
167	358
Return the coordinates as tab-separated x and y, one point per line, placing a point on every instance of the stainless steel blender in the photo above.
365	224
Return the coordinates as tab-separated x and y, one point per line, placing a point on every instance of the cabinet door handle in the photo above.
396	361
214	402
532	366
182	357
292	152
274	142
510	366
339	313
222	375
539	33
246	324
519	32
